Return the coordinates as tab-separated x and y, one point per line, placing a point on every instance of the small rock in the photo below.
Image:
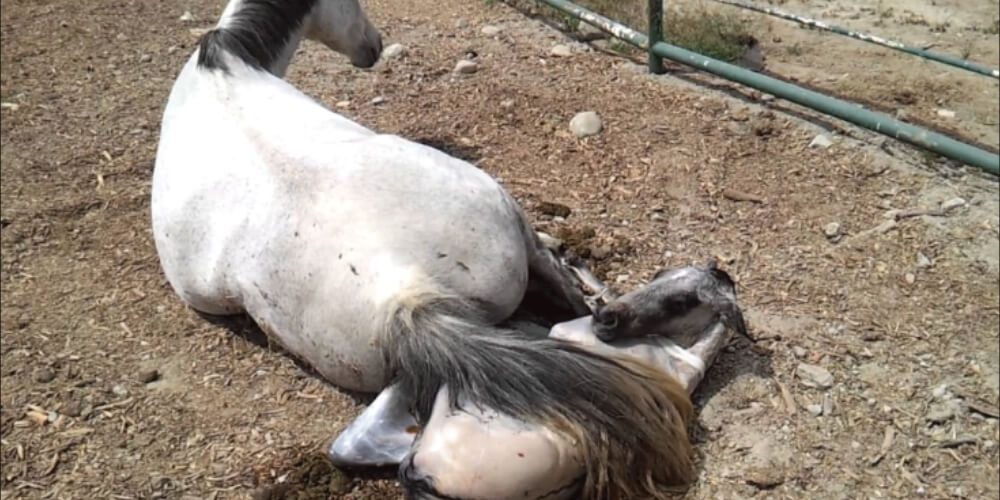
507	103
910	278
585	124
923	262
393	51
10	105
271	492
827	404
815	410
940	391
946	113
832	230
145	58
821	141
872	374
343	104
621	278
600	253
902	114
952	204
590	32
814	376
466	67
72	409
490	30
461	23
149	376
940	412
799	351
44	375
554	209
187	16
340	483
561	50
119	391
378	100
765	478
550	242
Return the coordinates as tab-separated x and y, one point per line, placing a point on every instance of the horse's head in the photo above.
343	26
674	304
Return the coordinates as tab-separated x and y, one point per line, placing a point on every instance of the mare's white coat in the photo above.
248	167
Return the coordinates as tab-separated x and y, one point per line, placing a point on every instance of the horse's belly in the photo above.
321	285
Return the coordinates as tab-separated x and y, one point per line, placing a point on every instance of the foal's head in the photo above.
675	304
343	26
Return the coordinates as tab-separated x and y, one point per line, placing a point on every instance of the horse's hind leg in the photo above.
551	286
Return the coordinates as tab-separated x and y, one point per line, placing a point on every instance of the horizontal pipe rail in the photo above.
853	113
885	42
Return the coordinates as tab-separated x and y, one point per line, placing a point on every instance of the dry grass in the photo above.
721	34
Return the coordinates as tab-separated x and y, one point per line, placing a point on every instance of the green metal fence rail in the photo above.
849	112
885	42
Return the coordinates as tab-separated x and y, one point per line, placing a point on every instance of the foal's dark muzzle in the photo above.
607	321
368	56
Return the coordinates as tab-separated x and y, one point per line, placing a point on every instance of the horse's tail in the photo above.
628	419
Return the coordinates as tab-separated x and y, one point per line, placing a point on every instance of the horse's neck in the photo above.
279	66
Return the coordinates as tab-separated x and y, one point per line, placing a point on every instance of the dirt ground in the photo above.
112	389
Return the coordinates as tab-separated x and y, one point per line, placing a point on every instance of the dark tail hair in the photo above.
629	419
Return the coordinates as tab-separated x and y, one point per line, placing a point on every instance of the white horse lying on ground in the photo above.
379	261
474	452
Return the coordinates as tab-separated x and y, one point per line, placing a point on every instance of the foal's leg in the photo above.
705	350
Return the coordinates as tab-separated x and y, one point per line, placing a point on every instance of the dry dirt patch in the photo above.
904	320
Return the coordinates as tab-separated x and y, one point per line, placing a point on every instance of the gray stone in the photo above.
561	50
923	261
821	141
585	124
814	376
832	230
378	100
393	51
466	67
490	30
946	113
941	392
952	204
872	373
187	16
940	413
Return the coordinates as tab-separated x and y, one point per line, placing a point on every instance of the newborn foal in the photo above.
476	452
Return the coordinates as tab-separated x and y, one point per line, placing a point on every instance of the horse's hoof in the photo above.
382	435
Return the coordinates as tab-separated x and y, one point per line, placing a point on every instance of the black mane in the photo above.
256	33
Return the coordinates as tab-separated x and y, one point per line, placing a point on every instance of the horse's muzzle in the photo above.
369	55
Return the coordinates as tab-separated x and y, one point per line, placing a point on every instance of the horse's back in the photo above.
309	225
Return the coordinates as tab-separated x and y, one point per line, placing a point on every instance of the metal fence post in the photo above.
655	21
